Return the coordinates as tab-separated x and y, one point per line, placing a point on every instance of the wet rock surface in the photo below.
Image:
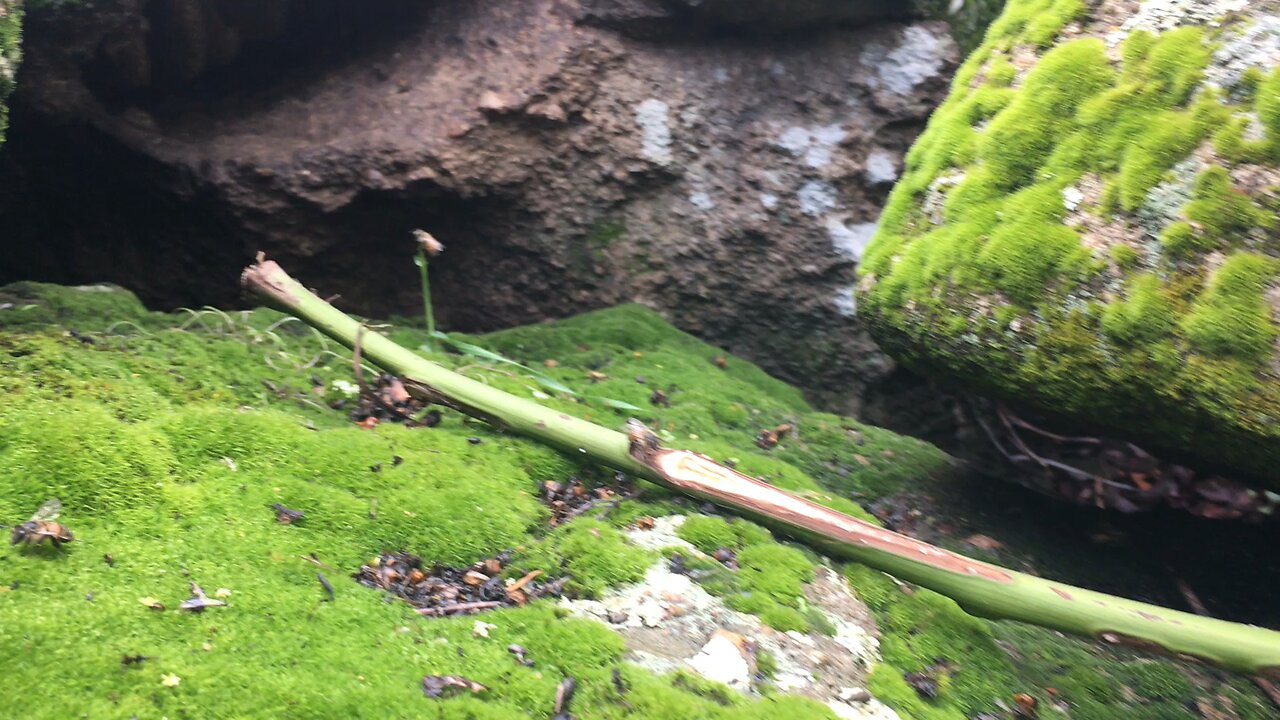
731	182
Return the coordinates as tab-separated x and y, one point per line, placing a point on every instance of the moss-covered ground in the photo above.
169	437
1022	252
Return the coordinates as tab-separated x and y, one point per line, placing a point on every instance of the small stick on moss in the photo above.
978	587
459	608
523	581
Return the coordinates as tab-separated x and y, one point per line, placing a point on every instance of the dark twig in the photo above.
316	561
1008	420
458	608
1268	688
1193	600
324	583
1045	433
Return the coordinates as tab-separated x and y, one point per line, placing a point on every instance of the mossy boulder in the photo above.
1088	226
10	55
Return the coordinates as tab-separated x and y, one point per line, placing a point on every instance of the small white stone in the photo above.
344	387
651	612
482	628
722	660
1071	197
852	695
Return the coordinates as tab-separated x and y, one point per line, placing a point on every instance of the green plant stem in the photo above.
427	312
980	588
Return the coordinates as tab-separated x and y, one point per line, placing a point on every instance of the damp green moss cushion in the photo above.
1088	225
169	437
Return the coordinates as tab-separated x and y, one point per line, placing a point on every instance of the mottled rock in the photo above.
729	180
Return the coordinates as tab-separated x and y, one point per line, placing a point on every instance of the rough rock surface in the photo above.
10	54
1089	226
569	154
669	622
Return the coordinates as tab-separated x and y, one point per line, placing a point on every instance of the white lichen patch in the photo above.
918	56
1157	16
881	167
1163	204
816	145
670	622
845	301
850	240
817	198
1253	45
701	200
652	115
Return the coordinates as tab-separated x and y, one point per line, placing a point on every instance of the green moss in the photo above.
1225	213
771	580
1023	256
1267	104
1124	256
168	451
1000	71
1170	138
1043	28
592	554
708	533
1181	240
1144	315
922	628
1231	317
1023	135
91	307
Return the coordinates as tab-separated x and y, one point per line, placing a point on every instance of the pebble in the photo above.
723	660
853	695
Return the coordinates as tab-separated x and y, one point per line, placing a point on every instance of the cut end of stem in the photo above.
269	281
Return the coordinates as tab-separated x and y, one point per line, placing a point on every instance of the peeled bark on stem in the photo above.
980	588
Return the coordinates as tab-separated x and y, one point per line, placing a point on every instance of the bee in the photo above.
42	527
